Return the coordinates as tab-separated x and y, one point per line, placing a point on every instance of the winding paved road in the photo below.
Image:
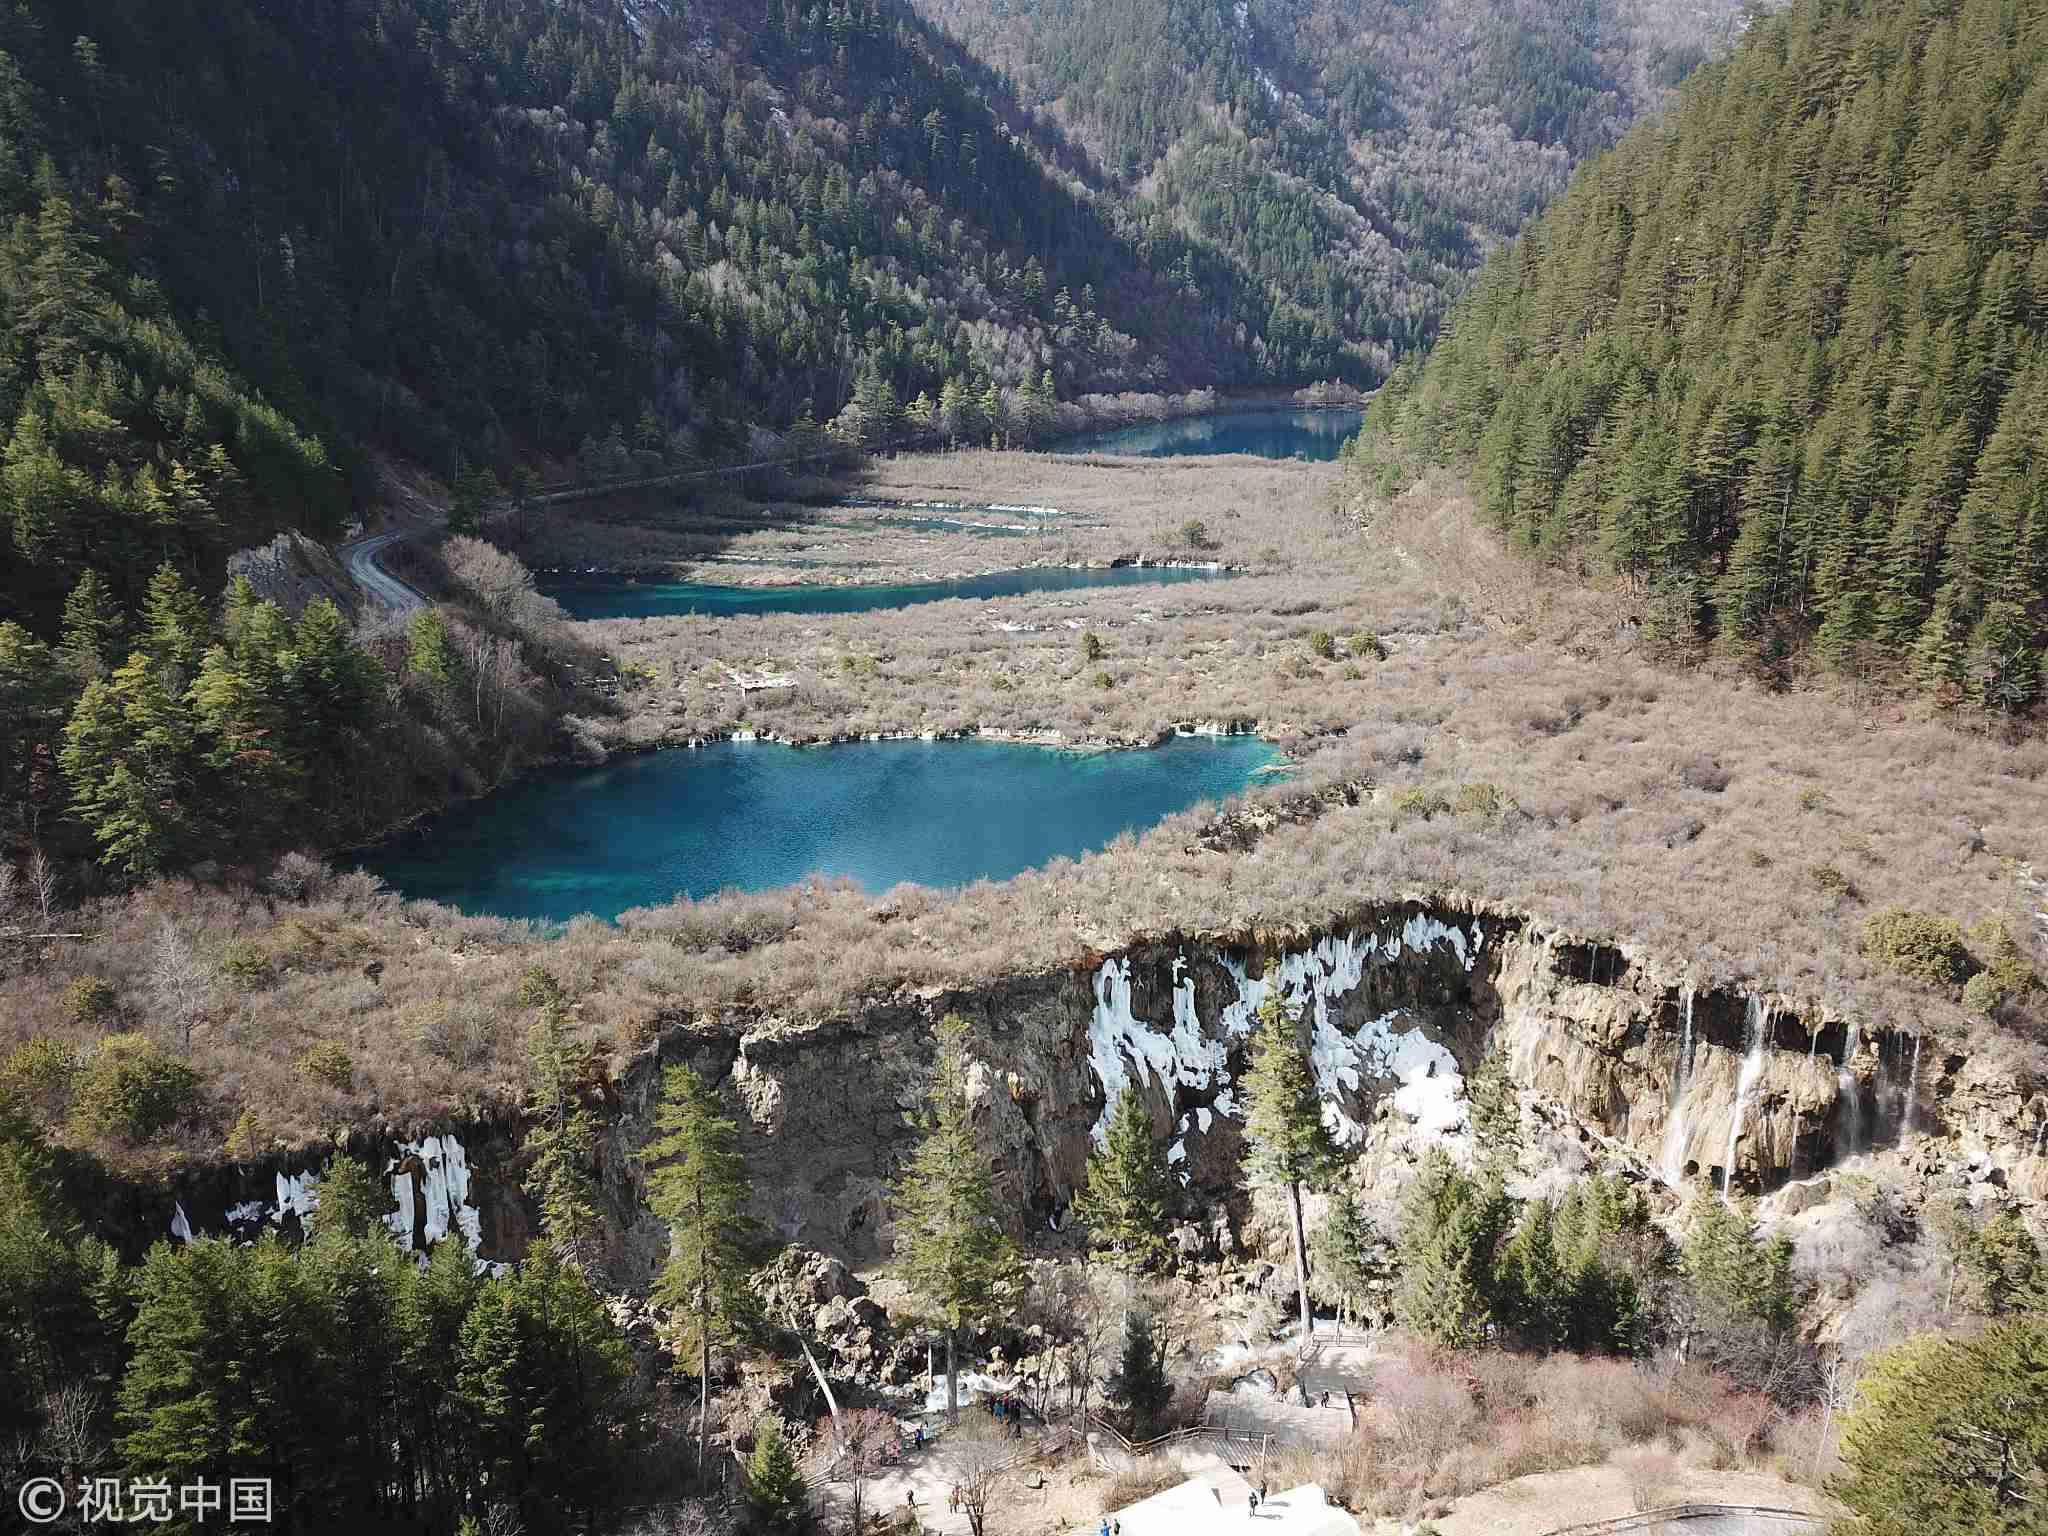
361	559
360	555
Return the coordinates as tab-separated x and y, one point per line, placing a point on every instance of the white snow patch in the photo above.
1433	1100
247	1211
444	1193
1430	1089
1117	1041
298	1194
973	1384
181	1225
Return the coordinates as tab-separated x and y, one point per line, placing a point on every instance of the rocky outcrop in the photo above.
1621	1064
1399	1004
292	570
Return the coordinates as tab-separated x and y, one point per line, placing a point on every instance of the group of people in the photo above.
1008	1410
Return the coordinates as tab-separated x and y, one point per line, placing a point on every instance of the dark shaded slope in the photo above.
250	239
1358	157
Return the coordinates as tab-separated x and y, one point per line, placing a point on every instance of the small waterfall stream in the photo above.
1913	1085
1852	1099
1673	1160
1752	1069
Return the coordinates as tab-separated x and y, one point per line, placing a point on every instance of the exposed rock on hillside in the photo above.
1400	1003
292	570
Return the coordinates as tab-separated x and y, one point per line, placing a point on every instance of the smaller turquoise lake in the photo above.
643	830
611	598
1274	434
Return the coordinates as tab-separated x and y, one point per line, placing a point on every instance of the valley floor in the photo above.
1514	750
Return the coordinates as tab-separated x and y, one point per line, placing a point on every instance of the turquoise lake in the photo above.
596	598
1274	434
753	815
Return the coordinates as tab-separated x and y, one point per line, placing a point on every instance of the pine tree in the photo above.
476	490
777	1496
1290	1145
950	1242
1352	1258
91	637
1451	1228
545	1381
130	758
245	733
562	1149
175	628
1495	1111
960	419
1123	1201
354	1200
335	683
33	697
1534	1290
1735	1273
697	1184
1139	1385
1949	1436
429	653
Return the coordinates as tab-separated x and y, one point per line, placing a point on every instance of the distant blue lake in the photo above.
1269	434
613	598
753	815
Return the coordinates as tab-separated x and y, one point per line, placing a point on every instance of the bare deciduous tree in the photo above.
1838	1378
978	1461
43	884
182	983
858	1445
1651	1471
71	1435
1077	1313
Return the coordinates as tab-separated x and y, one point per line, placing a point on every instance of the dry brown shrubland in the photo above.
1687	811
1109	509
1439	1427
1526	756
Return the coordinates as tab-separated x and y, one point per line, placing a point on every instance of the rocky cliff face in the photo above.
1400	1004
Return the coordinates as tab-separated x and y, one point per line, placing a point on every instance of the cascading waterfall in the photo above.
1913	1084
1852	1098
1752	1069
1674	1124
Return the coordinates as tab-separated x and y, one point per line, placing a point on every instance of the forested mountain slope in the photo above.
244	241
1778	359
1360	156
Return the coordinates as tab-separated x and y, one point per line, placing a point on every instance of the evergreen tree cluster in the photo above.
1591	1272
156	738
1777	360
239	244
1357	157
374	1392
1950	1436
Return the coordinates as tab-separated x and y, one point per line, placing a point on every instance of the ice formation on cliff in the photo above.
1187	1060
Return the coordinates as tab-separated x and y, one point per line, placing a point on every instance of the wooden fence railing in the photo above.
1673	1514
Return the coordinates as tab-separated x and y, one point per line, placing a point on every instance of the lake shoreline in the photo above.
604	838
1050	739
682	572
